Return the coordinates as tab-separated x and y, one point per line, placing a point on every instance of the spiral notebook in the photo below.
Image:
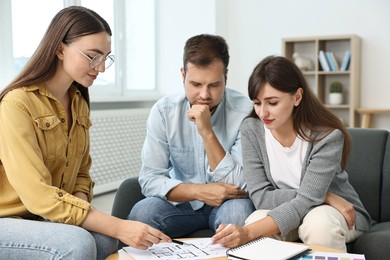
269	249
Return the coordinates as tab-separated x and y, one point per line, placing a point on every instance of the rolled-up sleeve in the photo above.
228	171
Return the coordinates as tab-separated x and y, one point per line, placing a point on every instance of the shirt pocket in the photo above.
49	139
83	124
183	161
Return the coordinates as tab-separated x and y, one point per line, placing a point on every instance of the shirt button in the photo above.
67	164
60	194
62	120
47	124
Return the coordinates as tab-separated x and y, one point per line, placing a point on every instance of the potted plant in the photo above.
336	93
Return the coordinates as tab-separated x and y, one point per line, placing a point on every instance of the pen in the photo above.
180	242
210	242
177	241
174	241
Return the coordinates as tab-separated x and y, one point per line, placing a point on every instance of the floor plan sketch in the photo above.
192	249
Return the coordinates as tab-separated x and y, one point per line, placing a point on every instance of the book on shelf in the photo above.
267	248
334	61
323	62
346	60
330	61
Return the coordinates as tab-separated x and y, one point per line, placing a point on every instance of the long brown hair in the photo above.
67	24
310	114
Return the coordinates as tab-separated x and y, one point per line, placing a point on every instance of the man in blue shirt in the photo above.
191	171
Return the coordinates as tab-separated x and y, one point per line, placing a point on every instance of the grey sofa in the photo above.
369	173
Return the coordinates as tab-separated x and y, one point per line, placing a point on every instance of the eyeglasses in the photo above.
97	60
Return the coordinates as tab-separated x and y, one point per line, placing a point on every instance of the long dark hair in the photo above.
310	114
67	24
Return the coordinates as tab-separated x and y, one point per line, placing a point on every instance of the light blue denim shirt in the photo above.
173	151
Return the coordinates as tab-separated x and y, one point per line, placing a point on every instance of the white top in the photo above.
285	162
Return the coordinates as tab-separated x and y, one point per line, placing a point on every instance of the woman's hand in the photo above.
140	235
345	208
132	233
230	235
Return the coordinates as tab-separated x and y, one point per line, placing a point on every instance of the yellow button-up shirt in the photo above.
42	163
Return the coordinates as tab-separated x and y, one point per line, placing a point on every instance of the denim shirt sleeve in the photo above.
154	176
226	123
229	170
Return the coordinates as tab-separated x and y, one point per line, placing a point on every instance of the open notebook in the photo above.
266	248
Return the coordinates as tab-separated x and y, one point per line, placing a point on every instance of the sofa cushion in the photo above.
385	203
365	166
127	195
375	243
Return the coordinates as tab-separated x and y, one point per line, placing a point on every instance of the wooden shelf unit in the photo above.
320	80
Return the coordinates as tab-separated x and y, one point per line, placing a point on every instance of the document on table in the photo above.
192	249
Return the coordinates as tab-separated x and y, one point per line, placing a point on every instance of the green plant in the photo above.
336	87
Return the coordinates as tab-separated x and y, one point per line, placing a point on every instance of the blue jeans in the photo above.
181	220
29	239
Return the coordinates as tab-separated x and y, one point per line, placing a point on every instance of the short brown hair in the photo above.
202	49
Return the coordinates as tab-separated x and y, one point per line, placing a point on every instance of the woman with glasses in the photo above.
45	186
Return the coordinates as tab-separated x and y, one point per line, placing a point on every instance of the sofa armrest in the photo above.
365	167
127	195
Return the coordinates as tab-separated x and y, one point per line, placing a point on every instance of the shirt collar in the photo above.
45	92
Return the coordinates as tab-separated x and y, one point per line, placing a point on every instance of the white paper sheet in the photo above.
193	249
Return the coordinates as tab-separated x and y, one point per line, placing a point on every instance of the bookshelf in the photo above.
320	80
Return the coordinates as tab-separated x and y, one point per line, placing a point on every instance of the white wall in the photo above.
6	51
254	29
177	21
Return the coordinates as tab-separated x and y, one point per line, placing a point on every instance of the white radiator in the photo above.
117	137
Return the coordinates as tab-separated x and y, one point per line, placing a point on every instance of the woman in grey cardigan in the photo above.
294	154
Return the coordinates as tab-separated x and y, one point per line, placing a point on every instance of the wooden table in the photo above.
314	248
367	114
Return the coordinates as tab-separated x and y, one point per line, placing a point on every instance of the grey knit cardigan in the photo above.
321	172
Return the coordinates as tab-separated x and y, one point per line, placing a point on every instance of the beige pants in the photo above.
323	226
